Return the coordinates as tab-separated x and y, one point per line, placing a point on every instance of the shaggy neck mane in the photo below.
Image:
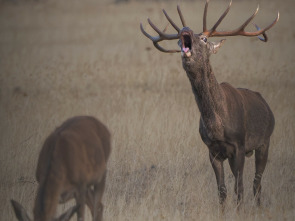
208	93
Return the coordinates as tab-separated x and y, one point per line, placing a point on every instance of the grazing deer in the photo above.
72	164
234	121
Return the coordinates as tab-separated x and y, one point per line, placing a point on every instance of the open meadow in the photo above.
64	58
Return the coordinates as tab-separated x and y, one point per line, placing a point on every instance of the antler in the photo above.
162	35
239	31
209	33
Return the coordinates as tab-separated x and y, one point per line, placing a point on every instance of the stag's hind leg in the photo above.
261	155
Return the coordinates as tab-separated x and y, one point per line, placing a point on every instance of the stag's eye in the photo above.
204	39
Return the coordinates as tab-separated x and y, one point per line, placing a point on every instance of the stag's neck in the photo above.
208	93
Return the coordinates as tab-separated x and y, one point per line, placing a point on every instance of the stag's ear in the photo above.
214	46
19	211
68	214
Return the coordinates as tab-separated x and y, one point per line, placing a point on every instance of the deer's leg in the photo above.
98	193
90	199
261	155
237	166
80	200
219	173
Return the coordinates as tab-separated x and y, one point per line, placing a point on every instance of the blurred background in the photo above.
61	58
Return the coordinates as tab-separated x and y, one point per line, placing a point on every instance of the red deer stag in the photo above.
234	121
72	164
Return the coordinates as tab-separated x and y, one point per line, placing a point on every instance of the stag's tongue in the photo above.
185	52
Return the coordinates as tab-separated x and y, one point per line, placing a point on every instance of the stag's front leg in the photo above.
236	163
217	165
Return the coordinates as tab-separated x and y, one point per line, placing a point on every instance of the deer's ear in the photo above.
214	46
19	211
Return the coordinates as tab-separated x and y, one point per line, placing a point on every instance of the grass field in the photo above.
59	59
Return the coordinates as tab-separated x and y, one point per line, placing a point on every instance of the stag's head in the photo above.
196	48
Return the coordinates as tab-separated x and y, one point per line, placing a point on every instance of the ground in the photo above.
59	59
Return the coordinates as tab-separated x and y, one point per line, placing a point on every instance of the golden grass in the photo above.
64	58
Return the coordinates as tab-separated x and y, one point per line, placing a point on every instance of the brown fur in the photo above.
234	122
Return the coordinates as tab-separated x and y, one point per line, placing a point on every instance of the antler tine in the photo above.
171	22
205	17
243	26
264	35
155	28
272	24
220	19
165	29
162	36
147	35
181	16
163	49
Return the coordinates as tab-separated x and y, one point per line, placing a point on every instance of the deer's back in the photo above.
77	151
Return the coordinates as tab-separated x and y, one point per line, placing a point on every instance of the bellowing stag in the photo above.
234	122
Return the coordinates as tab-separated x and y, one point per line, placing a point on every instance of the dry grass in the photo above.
64	58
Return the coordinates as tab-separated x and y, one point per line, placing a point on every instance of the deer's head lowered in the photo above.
196	48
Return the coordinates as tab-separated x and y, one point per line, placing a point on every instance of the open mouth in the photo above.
186	44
